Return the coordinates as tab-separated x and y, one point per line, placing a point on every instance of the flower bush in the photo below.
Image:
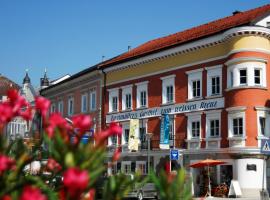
72	169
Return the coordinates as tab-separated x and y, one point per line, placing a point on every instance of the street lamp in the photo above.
148	137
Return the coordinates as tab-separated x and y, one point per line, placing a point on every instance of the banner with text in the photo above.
173	109
133	140
164	132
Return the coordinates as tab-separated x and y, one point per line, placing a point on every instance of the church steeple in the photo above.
44	82
26	78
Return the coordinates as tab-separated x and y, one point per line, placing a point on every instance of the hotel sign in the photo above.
193	106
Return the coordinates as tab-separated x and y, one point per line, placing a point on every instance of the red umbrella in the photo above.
207	163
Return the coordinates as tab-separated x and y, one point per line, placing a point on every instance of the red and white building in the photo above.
213	80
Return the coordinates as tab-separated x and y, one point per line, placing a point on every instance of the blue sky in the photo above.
66	36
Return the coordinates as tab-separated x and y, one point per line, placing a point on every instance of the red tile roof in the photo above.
238	19
6	84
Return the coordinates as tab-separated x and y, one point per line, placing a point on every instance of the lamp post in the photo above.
148	136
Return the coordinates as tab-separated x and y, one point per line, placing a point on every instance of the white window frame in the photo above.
84	103
143	124
194	75
263	112
113	93
212	72
233	113
168	81
212	115
110	143
141	163
124	127
70	112
250	64
60	107
91	99
126	90
261	73
123	163
193	117
143	86
53	108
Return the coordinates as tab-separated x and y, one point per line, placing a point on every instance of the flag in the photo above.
164	132
133	140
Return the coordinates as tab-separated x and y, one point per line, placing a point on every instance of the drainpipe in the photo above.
104	98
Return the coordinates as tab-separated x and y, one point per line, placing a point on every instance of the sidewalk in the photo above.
217	198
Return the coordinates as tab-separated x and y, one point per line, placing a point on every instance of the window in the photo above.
126	136
215	85
141	167
60	107
128	101
169	94
196	88
231	76
243	76
168	89
195	129
238	126
142	134
257	76
53	108
113	140
141	99
84	103
214	128
262	125
126	167
246	74
70	106
93	101
114	104
113	100
195	83
171	131
214	77
127	97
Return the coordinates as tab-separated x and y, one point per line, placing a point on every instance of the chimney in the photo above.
236	12
129	48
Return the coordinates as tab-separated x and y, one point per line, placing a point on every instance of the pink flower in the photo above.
116	155
6	163
27	114
91	194
75	181
32	193
82	122
6	197
6	112
56	121
43	105
12	95
115	129
52	165
19	104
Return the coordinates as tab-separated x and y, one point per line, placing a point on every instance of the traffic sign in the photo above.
265	146
174	154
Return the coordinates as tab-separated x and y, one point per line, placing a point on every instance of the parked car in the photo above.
142	191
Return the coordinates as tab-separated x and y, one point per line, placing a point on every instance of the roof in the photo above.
205	30
83	72
6	84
